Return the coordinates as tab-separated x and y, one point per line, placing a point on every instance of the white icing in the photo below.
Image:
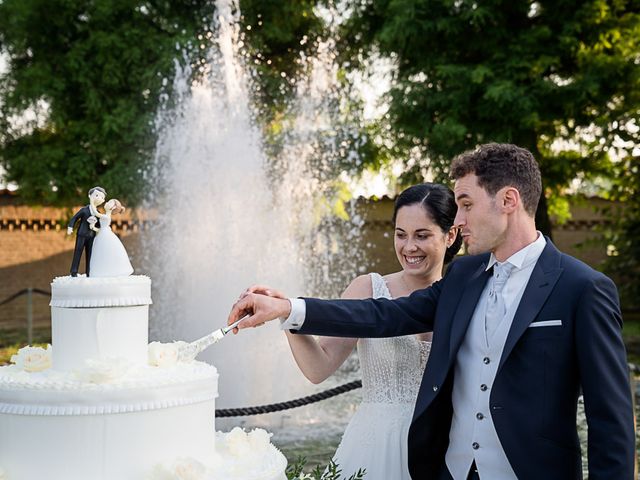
79	334
239	456
248	456
164	354
141	388
86	292
102	371
183	468
104	446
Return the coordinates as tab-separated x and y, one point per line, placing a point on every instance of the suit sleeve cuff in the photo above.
296	318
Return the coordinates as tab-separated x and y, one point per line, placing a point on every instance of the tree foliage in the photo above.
561	78
531	73
98	66
277	31
624	231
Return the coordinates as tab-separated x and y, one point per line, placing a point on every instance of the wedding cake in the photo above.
103	404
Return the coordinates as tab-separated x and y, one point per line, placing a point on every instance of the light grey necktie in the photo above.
495	303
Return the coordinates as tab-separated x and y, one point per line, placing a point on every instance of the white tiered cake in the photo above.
110	408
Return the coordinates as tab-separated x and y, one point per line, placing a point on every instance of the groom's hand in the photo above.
260	309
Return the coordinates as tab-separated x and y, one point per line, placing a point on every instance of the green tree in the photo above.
98	66
624	231
277	32
531	73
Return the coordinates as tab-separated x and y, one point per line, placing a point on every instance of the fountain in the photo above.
224	223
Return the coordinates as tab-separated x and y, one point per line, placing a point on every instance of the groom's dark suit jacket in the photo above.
541	372
84	229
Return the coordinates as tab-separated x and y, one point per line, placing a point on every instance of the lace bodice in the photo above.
391	367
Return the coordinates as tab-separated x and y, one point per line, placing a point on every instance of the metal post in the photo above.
30	316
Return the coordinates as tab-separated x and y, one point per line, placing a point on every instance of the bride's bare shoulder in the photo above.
360	287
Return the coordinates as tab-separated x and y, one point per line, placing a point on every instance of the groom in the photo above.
85	235
520	330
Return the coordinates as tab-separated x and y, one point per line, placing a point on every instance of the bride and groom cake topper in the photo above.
105	256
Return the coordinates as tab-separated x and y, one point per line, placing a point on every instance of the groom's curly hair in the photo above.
499	165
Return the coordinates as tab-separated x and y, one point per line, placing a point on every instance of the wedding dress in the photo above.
376	436
108	256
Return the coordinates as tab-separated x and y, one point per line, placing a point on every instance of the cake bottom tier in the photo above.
123	446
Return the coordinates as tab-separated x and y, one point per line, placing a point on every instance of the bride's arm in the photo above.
319	357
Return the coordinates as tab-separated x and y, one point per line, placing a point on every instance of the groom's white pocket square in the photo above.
546	323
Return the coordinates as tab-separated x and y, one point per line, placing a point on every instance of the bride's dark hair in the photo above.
439	203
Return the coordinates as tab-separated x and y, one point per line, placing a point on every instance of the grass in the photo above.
316	452
12	339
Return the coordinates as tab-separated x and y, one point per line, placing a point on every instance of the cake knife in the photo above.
188	352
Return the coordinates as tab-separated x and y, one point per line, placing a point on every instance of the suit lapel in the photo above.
543	278
466	307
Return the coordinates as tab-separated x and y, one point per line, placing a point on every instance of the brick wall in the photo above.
577	237
34	247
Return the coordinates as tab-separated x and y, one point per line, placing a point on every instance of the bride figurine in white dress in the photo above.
376	437
108	256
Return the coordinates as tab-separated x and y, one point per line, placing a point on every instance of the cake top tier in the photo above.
92	292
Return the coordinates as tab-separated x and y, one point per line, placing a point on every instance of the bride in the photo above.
108	256
376	437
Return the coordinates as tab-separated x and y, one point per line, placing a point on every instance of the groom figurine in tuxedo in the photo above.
520	330
85	235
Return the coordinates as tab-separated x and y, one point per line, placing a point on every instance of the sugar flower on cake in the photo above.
164	354
237	442
259	440
102	371
184	468
32	359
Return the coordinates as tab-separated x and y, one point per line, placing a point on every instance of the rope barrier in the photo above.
24	292
298	402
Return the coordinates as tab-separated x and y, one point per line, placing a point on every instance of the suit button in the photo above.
475	445
483	387
435	388
486	360
479	416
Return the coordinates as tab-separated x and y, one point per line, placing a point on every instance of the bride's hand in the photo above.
263	290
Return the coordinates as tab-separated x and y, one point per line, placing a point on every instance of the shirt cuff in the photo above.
296	318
